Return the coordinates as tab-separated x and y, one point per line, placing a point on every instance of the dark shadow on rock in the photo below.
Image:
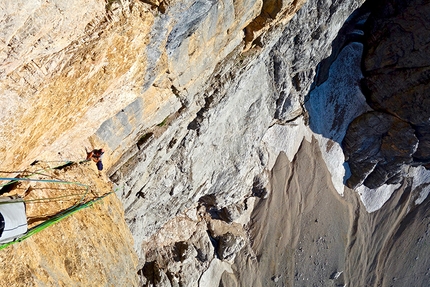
378	145
335	98
396	82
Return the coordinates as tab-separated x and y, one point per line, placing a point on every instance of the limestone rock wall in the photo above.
132	77
192	100
61	91
217	149
179	93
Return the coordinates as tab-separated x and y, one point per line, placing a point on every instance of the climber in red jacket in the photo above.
96	156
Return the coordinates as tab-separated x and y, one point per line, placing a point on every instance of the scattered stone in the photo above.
229	245
276	278
336	275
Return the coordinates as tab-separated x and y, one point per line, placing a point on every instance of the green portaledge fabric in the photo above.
56	218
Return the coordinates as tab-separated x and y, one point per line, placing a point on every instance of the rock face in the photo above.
223	136
396	81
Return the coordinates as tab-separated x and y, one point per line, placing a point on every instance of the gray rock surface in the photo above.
213	144
174	170
179	263
229	246
306	40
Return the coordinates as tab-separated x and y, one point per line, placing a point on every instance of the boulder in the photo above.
229	245
377	146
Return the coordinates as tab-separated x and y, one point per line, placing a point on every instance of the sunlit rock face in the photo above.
226	138
92	247
215	148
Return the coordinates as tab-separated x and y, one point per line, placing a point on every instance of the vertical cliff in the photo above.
229	130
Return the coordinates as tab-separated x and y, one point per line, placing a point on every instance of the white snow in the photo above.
286	138
332	154
374	199
422	181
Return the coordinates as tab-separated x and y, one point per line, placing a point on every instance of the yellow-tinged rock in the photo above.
92	247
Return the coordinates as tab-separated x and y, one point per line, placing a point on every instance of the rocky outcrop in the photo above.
380	156
229	246
196	256
215	148
396	72
179	96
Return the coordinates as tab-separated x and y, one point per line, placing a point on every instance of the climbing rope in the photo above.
56	218
16	179
39	172
34	172
81	204
52	199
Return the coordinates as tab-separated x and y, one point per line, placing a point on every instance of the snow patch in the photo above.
421	181
332	154
374	199
286	138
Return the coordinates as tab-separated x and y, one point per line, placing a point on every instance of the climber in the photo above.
96	156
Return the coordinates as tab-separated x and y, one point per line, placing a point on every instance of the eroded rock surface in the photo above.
396	81
196	256
195	103
382	155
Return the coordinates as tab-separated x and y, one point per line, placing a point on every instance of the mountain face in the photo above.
250	143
